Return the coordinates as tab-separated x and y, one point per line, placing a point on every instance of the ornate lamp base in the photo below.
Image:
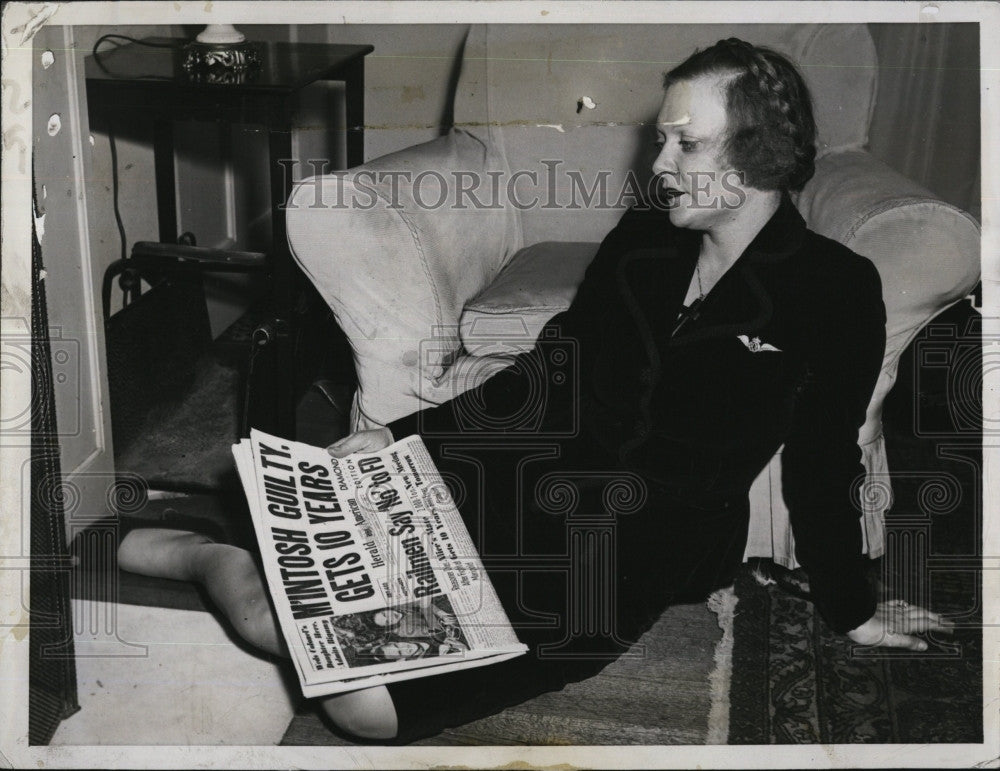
221	62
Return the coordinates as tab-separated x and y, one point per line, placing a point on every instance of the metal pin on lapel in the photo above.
690	313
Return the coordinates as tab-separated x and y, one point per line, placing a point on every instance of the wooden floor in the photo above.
660	698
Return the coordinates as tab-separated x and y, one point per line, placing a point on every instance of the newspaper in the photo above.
373	574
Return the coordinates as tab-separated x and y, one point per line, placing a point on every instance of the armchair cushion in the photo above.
539	282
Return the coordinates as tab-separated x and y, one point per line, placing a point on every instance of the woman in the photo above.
710	330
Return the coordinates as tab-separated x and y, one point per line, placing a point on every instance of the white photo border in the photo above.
17	24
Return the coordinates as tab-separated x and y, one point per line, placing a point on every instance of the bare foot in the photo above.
228	573
236	586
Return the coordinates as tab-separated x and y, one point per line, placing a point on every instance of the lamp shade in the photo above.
220	33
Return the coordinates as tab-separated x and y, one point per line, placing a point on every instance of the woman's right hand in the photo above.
896	624
370	440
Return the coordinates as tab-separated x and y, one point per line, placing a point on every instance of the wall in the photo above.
137	201
407	80
410	72
409	76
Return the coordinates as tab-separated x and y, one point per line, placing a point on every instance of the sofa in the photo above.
434	293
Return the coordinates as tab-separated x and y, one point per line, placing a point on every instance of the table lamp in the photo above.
220	54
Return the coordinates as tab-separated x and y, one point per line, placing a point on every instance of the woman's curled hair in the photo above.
772	135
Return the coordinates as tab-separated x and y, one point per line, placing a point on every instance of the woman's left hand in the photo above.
896	624
370	440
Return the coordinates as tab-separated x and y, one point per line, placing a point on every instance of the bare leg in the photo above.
234	583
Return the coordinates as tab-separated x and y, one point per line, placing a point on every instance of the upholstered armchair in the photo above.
432	298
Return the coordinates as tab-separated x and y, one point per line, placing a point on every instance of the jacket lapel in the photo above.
739	304
652	284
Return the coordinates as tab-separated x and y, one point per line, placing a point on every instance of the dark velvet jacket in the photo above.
699	411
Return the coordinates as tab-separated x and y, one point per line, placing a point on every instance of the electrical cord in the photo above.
129	294
129	291
115	35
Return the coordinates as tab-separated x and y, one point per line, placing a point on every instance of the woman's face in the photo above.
701	188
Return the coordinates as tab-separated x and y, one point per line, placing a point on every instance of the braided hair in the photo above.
771	132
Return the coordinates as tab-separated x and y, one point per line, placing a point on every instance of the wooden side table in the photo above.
140	80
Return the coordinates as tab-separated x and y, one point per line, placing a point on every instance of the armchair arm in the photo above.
926	250
396	260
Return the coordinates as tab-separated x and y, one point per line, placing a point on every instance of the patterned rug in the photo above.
797	682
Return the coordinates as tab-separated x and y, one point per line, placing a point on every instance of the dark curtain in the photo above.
51	668
927	113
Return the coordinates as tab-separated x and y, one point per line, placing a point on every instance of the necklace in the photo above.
692	311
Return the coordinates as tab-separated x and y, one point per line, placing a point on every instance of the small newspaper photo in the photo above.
372	572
